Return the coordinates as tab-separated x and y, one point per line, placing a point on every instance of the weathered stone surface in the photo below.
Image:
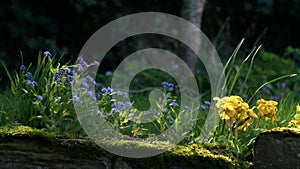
31	154
25	148
278	148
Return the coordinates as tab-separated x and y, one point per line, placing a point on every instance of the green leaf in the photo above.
269	82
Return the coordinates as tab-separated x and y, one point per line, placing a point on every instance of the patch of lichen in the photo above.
71	147
158	145
192	156
284	131
189	156
25	132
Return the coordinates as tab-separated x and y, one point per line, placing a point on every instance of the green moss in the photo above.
12	132
214	156
209	155
285	131
158	145
71	147
204	156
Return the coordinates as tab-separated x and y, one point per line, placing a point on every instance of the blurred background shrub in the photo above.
63	26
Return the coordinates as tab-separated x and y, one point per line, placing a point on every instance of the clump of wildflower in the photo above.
107	90
296	120
235	112
167	86
202	107
64	75
120	93
96	63
85	85
124	105
89	78
56	77
89	94
22	67
47	53
98	95
205	105
108	73
207	102
79	68
61	71
32	83
76	98
28	75
83	62
173	104
39	98
114	109
267	109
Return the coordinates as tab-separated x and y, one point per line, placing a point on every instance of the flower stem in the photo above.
257	123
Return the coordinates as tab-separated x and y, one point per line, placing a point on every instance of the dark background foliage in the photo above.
62	27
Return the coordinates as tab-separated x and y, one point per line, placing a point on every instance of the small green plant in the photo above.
236	114
42	95
295	122
237	117
121	114
131	118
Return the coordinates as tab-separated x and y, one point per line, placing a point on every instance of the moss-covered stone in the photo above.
37	149
14	132
207	156
284	131
277	148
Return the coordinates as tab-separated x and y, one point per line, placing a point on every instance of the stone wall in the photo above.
25	148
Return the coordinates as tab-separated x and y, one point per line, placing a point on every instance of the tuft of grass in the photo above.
40	96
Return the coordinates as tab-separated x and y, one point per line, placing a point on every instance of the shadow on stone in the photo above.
278	148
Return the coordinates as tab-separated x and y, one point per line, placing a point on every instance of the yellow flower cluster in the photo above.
267	109
235	112
296	121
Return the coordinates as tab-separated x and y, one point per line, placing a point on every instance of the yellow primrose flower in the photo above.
235	111
246	124
220	101
252	114
294	123
267	109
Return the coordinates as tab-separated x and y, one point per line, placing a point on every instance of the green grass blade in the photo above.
269	82
250	68
230	60
239	72
13	85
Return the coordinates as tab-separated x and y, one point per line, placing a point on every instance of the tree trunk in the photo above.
192	11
